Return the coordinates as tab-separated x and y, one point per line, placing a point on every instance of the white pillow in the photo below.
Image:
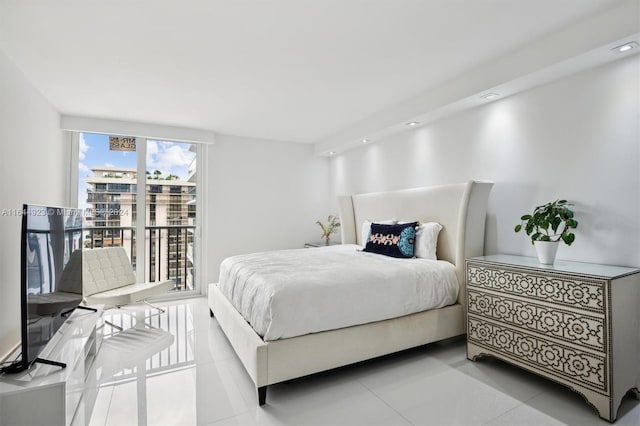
366	228
427	240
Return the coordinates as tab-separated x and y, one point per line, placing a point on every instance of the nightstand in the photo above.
319	244
575	323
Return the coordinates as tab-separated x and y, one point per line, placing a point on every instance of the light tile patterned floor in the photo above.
187	374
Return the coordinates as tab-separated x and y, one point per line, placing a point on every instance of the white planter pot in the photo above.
546	251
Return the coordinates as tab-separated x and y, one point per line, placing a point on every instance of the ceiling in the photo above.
292	70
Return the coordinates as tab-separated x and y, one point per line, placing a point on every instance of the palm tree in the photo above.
157	174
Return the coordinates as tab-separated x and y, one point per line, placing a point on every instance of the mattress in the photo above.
290	293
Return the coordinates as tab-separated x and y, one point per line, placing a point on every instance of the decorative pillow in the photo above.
392	240
366	228
427	240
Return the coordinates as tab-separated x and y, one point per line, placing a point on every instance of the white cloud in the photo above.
174	156
152	151
83	148
169	157
83	167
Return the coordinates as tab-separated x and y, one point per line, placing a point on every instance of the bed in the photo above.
459	208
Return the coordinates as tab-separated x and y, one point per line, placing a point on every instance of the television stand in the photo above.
49	362
45	384
86	308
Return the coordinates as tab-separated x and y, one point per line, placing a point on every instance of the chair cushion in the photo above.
129	294
105	269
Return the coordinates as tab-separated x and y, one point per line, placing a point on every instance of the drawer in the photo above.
566	290
541	356
579	328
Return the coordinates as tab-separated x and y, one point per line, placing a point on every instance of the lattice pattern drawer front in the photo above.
576	366
568	291
581	329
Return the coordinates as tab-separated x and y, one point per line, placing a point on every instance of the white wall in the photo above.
576	138
262	195
35	169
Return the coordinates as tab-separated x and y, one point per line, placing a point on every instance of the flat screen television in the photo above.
51	277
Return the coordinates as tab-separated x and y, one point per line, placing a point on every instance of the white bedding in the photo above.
289	293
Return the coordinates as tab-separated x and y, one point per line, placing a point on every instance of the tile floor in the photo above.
186	373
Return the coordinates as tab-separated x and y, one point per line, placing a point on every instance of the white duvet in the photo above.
289	293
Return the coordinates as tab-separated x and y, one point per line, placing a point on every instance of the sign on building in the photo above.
119	143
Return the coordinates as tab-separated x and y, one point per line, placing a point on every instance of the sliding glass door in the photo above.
171	216
140	194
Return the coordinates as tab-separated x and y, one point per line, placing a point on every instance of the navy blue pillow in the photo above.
392	240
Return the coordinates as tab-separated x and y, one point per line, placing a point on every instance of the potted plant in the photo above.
548	225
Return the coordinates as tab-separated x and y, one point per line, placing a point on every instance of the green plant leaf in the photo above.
545	238
536	236
572	223
526	217
568	238
518	228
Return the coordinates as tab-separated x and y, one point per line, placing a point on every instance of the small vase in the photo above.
546	251
326	240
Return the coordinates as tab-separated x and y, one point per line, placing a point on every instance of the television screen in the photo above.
51	274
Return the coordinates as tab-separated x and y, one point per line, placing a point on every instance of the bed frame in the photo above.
460	208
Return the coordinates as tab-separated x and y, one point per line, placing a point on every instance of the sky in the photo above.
168	157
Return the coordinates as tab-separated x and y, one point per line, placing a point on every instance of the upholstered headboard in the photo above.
460	208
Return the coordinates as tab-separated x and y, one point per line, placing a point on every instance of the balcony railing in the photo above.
166	249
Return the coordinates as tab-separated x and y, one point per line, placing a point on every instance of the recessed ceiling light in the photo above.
626	47
412	123
332	153
365	141
489	96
